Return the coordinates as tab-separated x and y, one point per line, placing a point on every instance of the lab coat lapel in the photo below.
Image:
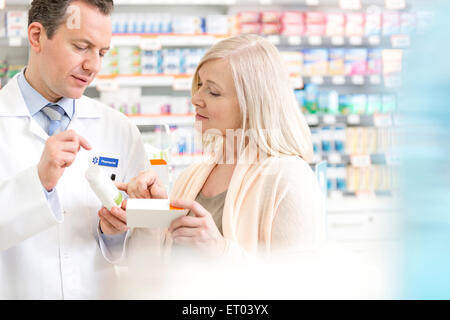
14	106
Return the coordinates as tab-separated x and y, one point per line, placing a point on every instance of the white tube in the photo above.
103	187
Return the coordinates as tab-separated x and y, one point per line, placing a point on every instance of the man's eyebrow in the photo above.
90	43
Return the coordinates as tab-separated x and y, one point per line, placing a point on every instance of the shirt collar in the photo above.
35	101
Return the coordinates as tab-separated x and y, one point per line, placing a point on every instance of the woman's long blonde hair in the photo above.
266	99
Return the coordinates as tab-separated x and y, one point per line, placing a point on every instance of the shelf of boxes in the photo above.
376	120
156	41
328	46
157	120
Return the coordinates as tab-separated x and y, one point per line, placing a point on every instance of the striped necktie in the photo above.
55	113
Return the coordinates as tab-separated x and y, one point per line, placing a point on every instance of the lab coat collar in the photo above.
35	101
16	106
13	102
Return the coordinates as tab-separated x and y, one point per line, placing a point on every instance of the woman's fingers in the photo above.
122	186
185	221
184	240
195	207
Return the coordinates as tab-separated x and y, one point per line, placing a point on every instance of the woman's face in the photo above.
216	103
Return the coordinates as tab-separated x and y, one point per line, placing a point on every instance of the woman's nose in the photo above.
197	100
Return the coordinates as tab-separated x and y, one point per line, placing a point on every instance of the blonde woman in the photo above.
257	193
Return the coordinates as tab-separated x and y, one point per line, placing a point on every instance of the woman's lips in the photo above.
199	117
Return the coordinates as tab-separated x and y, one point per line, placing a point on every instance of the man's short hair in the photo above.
52	13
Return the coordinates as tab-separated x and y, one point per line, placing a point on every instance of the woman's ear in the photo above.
36	32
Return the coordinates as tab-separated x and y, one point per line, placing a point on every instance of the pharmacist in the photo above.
51	244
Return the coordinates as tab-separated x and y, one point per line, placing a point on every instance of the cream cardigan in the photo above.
258	192
276	187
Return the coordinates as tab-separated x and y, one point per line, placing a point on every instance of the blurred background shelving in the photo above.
344	58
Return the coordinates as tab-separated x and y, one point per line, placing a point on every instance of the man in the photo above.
51	243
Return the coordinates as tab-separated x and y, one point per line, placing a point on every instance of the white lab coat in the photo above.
40	257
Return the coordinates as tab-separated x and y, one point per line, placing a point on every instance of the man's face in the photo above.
71	59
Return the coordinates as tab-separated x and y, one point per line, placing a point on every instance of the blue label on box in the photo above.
108	162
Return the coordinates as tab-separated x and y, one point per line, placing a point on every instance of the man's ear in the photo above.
36	33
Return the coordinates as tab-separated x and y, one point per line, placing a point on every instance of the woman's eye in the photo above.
80	48
214	94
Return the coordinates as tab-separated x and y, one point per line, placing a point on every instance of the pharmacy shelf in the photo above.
155	120
341	80
357	160
364	120
13	42
378	41
182	82
156	41
174	2
361	204
177	82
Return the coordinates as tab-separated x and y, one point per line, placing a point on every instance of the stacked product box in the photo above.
315	23
312	100
134	61
292	23
335	24
17	24
355	24
294	62
373	24
131	101
270	22
315	62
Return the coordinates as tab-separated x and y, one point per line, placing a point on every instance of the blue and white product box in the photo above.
119	23
373	24
339	139
315	62
171	61
340	172
316	140
331	177
327	139
17	24
187	25
191	59
217	24
151	62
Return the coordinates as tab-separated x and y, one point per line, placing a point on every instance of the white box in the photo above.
151	213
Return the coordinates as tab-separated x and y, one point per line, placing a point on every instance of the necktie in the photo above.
55	113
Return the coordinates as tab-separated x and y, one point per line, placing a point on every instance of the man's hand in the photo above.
114	221
59	153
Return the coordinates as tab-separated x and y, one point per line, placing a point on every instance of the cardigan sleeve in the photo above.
299	219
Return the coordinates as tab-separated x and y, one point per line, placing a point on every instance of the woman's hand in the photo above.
199	230
114	221
146	185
